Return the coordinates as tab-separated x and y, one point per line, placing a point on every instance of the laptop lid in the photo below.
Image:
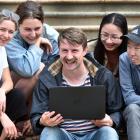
78	102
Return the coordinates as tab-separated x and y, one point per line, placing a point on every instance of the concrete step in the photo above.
86	18
88	15
85	14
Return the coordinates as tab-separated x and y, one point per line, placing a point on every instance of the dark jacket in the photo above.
98	76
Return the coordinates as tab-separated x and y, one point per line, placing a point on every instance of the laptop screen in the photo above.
78	102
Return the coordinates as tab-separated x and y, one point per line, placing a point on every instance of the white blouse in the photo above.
3	60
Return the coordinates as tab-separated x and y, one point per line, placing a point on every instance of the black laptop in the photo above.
78	102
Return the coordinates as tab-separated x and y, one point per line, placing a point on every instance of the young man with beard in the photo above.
74	68
130	83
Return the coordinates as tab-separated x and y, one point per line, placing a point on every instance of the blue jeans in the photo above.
56	133
132	117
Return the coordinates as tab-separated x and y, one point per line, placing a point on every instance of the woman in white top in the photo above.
12	104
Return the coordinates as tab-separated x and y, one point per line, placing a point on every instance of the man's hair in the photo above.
73	36
30	9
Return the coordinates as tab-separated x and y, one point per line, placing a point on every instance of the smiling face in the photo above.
7	29
110	36
30	30
71	55
133	50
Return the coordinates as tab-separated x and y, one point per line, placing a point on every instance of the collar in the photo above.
56	67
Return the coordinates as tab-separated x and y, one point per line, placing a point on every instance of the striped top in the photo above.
75	126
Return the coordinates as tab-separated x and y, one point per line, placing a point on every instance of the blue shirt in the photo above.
129	80
24	59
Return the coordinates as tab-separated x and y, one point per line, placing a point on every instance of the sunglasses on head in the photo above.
9	14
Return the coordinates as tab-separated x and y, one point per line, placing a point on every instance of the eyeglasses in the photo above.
113	37
9	14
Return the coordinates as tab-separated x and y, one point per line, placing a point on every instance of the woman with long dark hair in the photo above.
110	44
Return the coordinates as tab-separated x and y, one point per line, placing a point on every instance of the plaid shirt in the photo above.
55	68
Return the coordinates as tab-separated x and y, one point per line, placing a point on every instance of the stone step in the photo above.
91	31
86	18
85	14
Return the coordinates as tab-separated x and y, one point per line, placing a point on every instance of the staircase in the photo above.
84	14
87	14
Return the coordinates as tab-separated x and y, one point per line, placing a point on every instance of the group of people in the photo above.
35	57
26	46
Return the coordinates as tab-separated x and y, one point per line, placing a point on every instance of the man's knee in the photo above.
132	111
107	132
50	132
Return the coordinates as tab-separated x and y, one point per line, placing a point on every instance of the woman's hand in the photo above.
8	127
48	119
3	135
42	65
107	121
2	100
45	44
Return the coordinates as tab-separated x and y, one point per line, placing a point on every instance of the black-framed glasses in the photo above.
113	37
9	14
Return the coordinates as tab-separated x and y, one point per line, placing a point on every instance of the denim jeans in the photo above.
132	117
56	133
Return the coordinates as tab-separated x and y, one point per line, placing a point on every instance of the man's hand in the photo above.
48	119
107	121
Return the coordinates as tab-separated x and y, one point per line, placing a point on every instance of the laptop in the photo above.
78	102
